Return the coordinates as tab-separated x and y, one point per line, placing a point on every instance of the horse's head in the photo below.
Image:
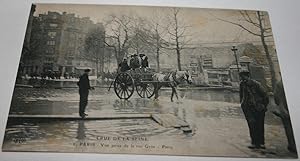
186	76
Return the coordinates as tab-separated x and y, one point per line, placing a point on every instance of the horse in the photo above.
171	79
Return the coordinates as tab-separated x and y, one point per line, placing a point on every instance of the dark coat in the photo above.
84	83
145	63
253	95
135	62
124	66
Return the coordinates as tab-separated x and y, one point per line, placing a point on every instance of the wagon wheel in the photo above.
124	86
145	90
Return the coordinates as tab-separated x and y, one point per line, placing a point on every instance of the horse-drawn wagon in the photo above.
126	82
147	83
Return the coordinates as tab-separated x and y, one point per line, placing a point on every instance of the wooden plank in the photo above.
169	120
23	86
156	81
186	129
74	117
157	119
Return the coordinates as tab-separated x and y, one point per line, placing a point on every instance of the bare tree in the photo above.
118	35
94	47
258	25
139	36
148	35
179	38
157	33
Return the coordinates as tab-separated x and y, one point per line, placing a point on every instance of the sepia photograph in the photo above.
144	80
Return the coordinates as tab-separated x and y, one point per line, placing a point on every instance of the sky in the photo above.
205	27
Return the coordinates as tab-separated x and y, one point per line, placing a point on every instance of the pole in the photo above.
236	60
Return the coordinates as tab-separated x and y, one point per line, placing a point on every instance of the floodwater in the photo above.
213	115
64	101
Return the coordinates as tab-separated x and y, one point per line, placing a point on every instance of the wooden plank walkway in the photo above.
169	120
90	117
165	120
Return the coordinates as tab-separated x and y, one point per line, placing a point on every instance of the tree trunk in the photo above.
268	55
270	62
157	59
178	59
97	64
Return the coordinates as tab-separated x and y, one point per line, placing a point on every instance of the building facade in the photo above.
57	44
216	65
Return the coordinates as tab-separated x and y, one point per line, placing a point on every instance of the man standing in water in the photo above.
254	101
84	87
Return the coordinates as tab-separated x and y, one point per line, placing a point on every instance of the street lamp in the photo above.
236	60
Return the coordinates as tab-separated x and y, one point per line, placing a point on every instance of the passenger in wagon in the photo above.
144	60
135	62
123	66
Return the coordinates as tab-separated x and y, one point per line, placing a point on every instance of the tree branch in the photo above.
241	26
247	18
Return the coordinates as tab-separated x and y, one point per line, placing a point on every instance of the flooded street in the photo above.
217	123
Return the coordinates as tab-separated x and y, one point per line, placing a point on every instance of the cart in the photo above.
140	80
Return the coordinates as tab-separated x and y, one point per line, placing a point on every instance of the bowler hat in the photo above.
87	70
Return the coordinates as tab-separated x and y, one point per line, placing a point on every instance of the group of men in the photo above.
135	61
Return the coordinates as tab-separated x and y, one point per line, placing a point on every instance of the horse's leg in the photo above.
159	86
156	89
172	95
175	91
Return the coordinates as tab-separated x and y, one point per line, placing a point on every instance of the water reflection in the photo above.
81	130
222	95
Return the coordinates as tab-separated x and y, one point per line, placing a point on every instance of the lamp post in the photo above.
236	60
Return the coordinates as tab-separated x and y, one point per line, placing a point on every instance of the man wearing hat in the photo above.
135	61
144	61
84	87
254	101
123	66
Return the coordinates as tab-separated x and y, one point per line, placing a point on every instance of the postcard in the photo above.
149	80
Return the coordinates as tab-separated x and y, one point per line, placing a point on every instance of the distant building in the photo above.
57	42
215	64
26	45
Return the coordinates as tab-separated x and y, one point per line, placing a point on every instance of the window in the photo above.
50	51
48	64
50	42
54	25
52	34
213	75
69	62
49	60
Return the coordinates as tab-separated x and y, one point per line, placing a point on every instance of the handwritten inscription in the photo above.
19	140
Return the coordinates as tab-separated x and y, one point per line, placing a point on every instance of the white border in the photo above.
285	21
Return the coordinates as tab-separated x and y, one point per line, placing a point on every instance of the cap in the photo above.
87	70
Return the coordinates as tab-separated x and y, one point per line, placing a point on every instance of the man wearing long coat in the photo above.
84	87
254	101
